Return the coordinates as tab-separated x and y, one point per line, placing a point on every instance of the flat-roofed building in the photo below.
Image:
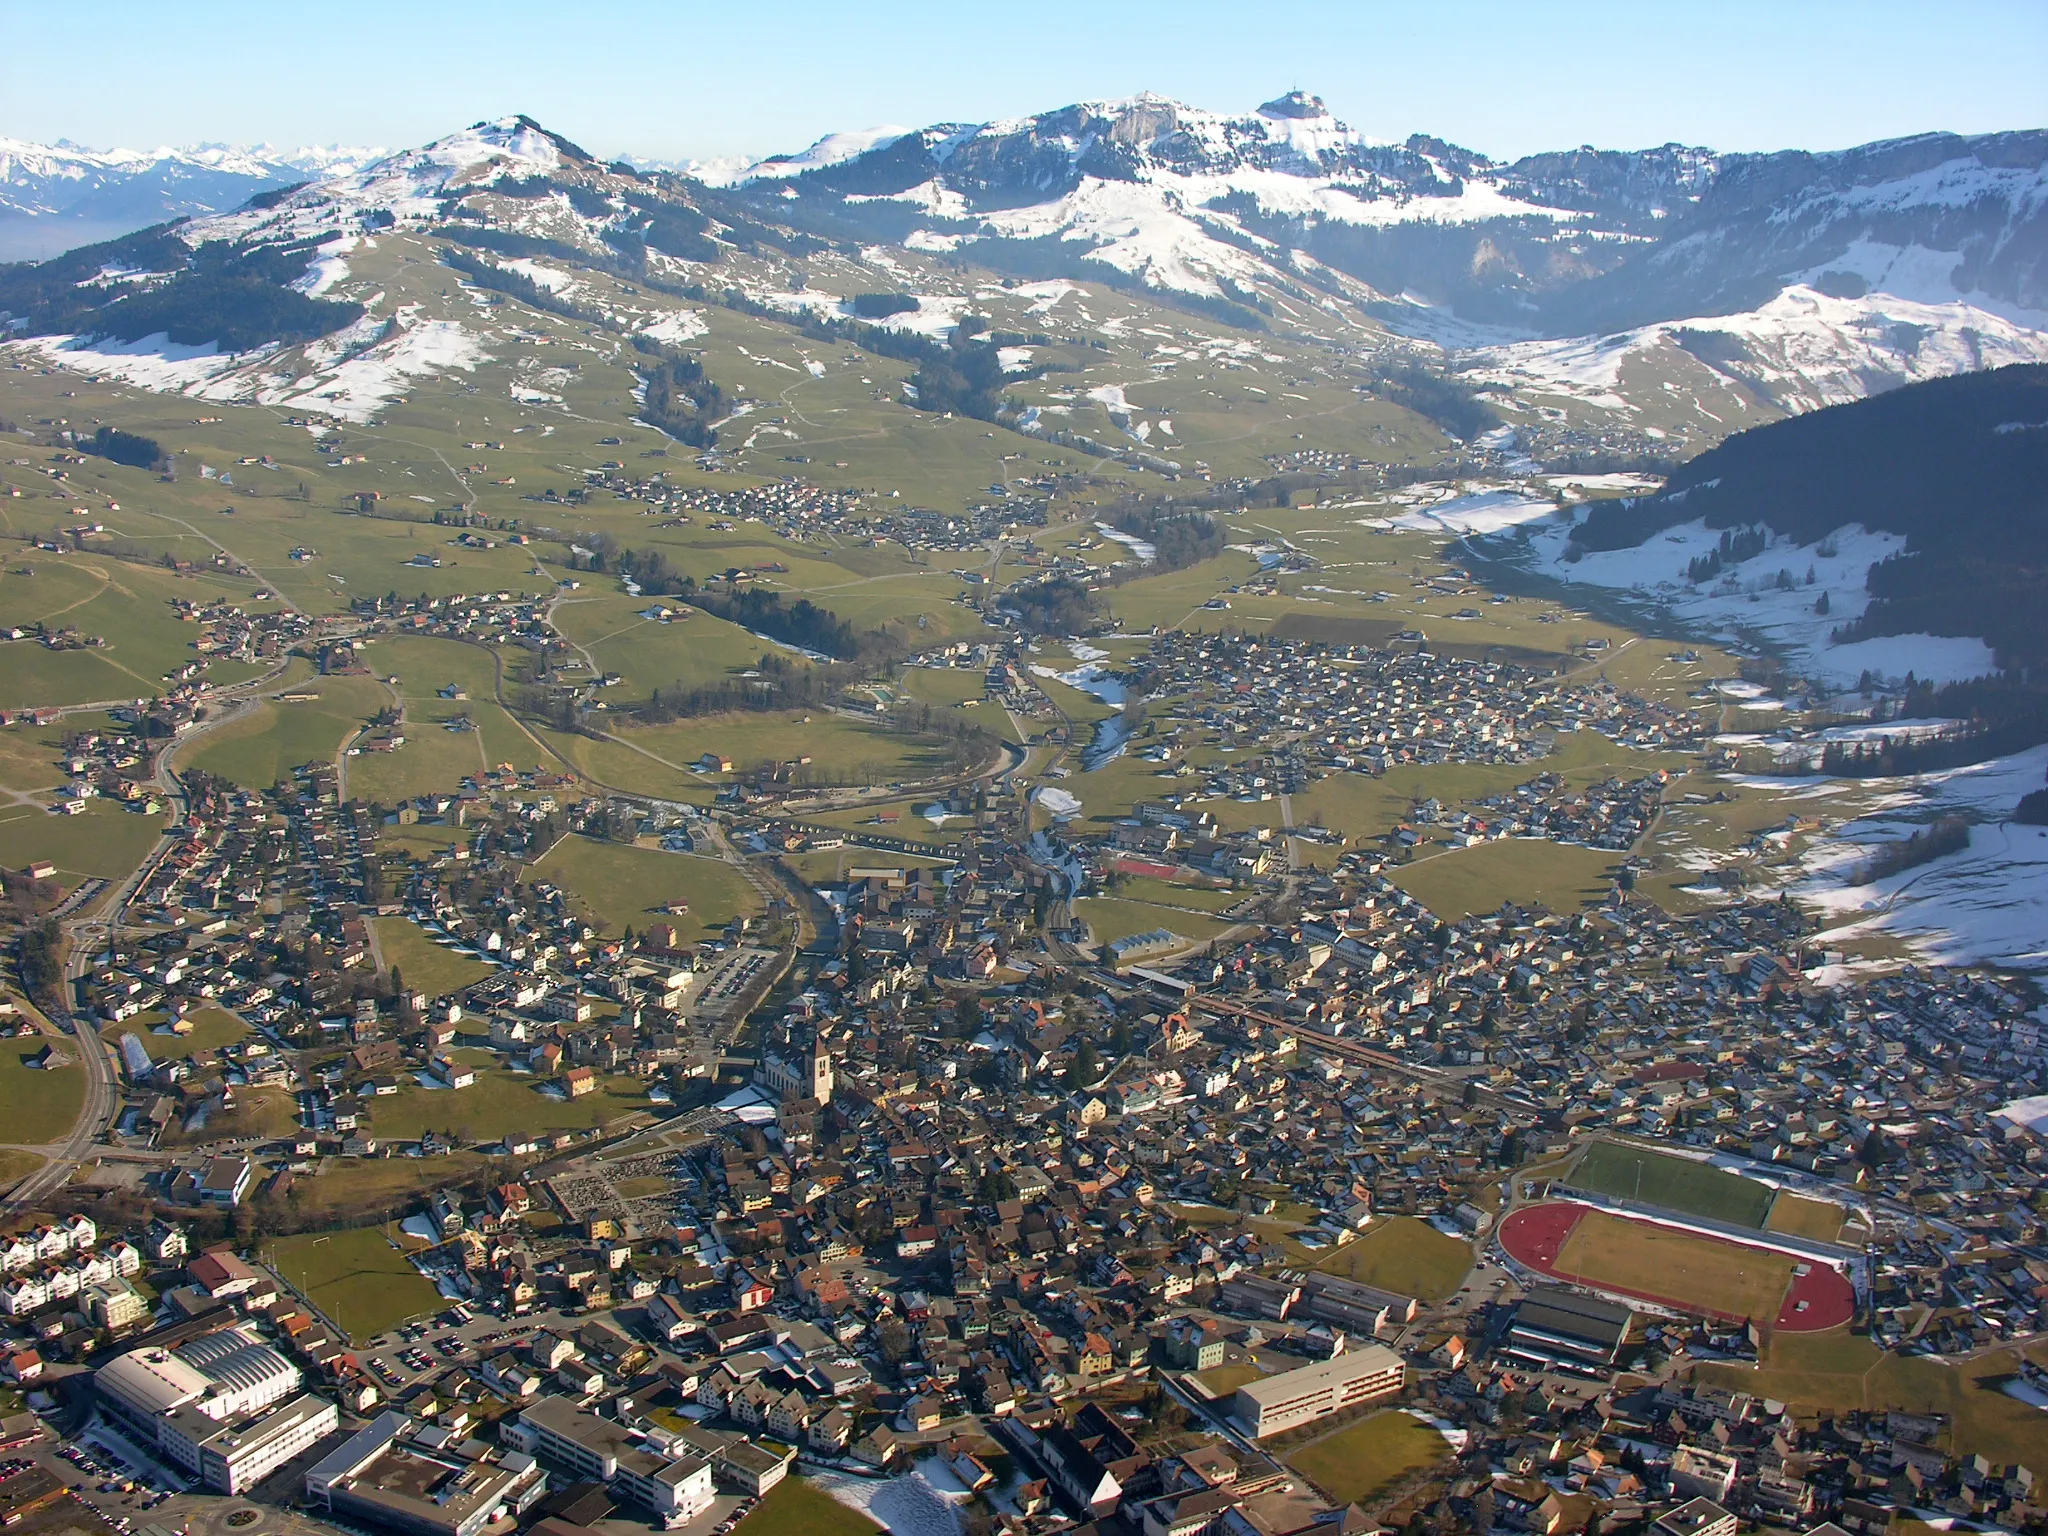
1275	1404
676	1488
224	1406
408	1477
1350	1305
114	1305
237	1456
1697	1517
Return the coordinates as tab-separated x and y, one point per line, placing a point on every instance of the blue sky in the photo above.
688	79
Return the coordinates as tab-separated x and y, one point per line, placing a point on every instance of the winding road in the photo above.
88	935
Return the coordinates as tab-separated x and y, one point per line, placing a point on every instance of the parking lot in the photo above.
406	1355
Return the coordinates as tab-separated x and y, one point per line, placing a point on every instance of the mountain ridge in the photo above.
1852	264
1547	242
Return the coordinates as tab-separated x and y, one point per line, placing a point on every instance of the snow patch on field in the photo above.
1143	550
1987	904
327	269
911	1505
553	279
933	317
684	325
1807	750
933	196
1045	296
360	387
149	362
1480	512
1060	804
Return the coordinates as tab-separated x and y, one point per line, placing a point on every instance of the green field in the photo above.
16	1166
1645	1260
1676	1183
1360	1459
260	748
428	967
1165	893
37	1105
1842	1371
124	603
262	1113
829	866
356	1277
498	1102
435	757
1404	1255
104	840
795	1507
212	1028
683	652
1465	882
1799	1216
30	755
1110	918
627	887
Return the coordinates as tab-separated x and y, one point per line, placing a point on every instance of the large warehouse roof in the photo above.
236	1361
151	1381
229	1365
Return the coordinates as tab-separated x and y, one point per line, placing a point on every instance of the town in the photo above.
1345	1202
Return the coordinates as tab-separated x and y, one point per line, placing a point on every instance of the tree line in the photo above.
1059	605
782	684
676	396
1951	834
517	285
1179	537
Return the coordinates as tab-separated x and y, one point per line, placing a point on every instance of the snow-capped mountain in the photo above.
1553	244
57	196
1680	291
412	184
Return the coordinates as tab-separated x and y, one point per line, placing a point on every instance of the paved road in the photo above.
88	935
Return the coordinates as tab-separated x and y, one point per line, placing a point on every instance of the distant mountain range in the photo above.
1583	281
1147	190
57	196
1569	243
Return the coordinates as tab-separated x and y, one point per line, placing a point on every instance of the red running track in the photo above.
1819	1299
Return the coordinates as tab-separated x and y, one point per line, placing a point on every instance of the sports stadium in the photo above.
1698	1239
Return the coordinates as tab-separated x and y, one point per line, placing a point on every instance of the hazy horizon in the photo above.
691	82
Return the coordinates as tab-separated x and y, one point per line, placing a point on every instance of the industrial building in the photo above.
225	1406
423	1479
1275	1404
1562	1330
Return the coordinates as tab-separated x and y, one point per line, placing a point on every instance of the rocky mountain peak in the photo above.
1295	104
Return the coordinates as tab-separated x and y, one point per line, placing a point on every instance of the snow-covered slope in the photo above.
1802	350
1554	244
411	185
1791	596
1684	293
1980	905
